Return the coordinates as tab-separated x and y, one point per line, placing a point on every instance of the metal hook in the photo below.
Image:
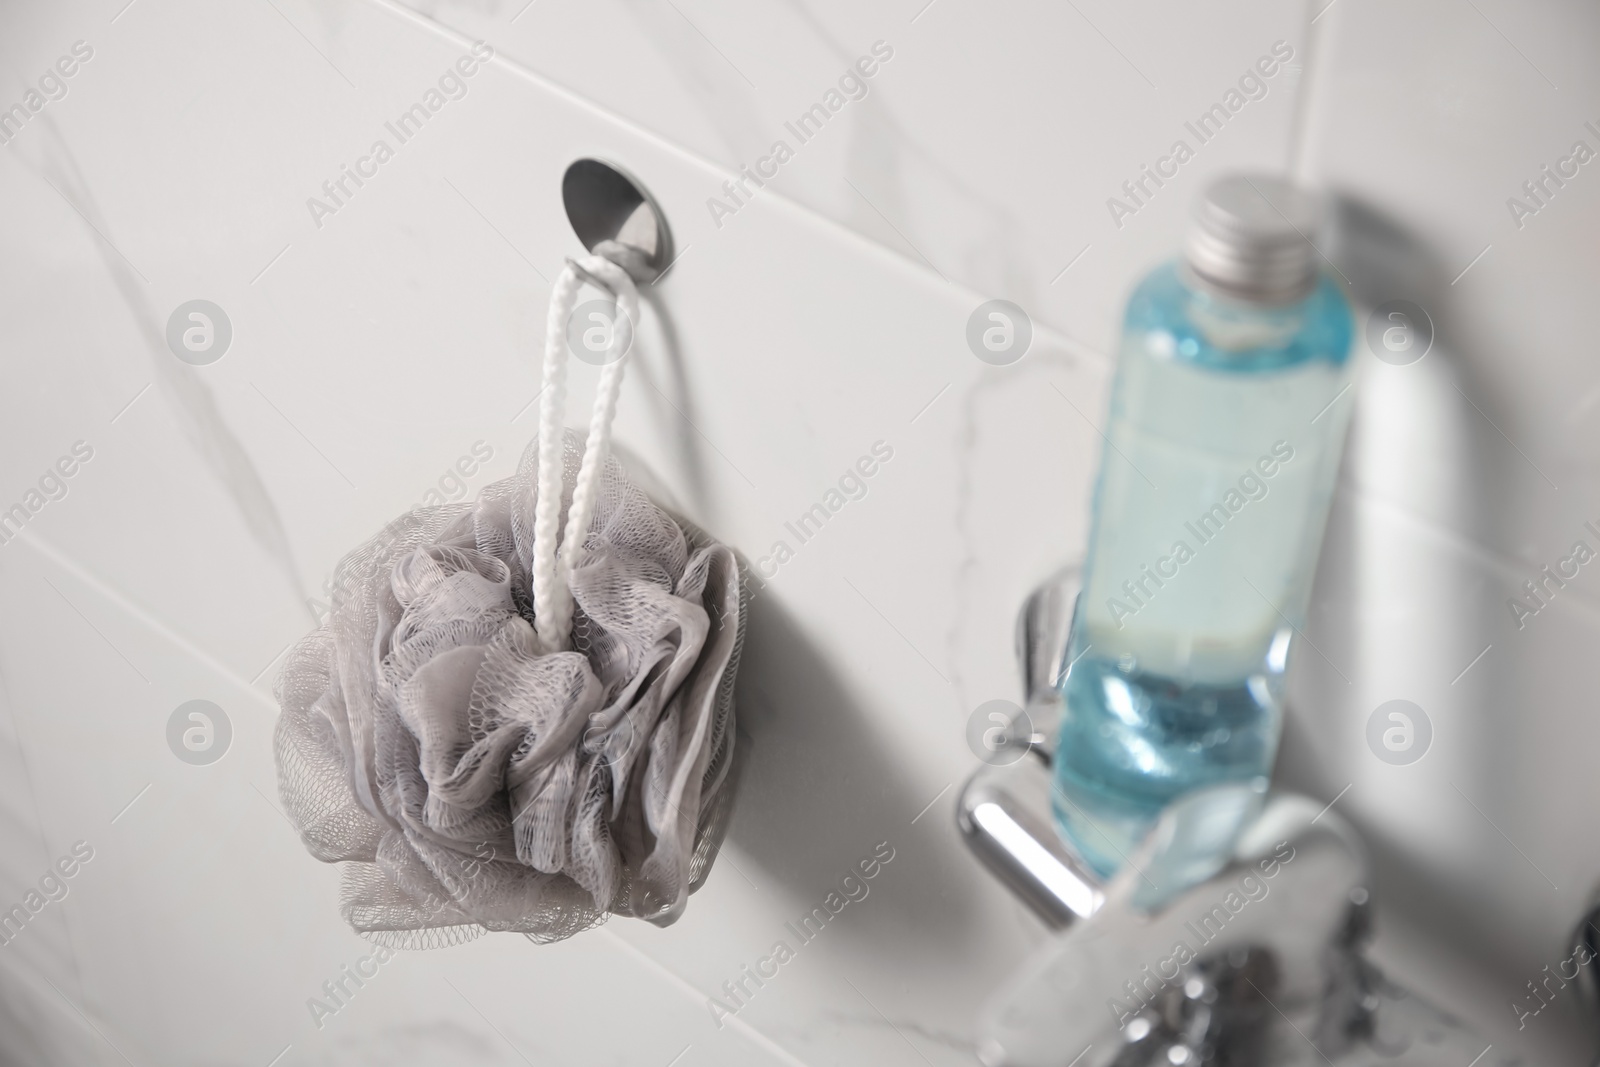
615	217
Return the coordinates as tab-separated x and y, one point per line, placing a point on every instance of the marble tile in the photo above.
986	149
381	337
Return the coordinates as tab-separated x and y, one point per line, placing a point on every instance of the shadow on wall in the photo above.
819	788
36	1028
690	458
1396	616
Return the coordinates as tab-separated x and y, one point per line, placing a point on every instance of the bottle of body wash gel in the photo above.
1227	421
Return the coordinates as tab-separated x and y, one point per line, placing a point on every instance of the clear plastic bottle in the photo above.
1227	422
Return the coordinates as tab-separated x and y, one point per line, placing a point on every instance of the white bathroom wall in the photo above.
825	314
1469	471
984	149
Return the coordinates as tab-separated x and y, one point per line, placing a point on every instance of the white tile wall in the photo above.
1468	472
826	314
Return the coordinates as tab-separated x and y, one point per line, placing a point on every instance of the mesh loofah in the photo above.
467	782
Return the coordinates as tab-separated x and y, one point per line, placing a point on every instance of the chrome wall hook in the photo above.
615	217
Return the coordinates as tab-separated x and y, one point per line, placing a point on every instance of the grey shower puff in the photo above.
468	784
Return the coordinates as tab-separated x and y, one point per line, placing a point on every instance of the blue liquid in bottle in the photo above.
1227	422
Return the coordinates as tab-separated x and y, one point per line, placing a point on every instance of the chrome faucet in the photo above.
1232	937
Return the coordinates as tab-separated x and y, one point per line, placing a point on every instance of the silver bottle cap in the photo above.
1251	238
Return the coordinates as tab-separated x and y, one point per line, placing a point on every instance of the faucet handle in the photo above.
1190	956
1252	960
1044	628
1232	937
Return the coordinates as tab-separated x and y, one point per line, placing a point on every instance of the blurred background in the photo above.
379	351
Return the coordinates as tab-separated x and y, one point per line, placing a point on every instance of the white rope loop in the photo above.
552	572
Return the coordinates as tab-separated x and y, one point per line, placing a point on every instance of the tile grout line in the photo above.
811	217
93	581
683	984
1305	99
1482	556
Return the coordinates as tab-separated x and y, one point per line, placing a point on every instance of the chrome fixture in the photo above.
1233	937
615	217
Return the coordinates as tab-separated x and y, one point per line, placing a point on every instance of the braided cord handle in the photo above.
552	570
